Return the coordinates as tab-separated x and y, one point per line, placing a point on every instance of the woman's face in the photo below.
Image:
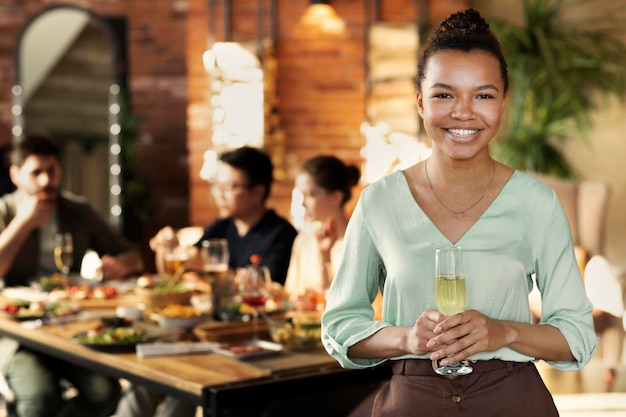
462	101
318	203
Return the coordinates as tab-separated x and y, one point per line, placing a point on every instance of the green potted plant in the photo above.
561	62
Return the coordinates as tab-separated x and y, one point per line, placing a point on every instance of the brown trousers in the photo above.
494	389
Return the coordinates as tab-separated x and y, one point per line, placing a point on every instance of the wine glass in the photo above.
215	258
64	254
254	289
450	296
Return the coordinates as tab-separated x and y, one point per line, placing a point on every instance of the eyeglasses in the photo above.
227	190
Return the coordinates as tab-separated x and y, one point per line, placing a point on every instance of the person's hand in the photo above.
163	238
35	209
113	268
327	235
462	335
423	331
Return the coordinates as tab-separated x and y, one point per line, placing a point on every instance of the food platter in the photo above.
23	310
113	339
249	349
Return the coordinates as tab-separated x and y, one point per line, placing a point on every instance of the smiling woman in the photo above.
510	227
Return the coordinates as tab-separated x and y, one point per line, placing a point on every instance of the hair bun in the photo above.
465	21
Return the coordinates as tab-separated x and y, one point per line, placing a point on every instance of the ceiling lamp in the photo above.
321	16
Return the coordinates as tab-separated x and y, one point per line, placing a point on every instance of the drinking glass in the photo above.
215	258
450	296
64	254
254	289
175	257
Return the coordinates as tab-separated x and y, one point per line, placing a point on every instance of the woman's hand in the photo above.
460	336
327	235
423	331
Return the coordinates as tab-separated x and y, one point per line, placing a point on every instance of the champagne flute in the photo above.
450	297
215	258
64	254
254	289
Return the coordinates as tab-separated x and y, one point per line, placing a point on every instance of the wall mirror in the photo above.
67	87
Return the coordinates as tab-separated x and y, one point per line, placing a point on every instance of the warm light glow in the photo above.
297	208
386	151
323	18
209	167
208	59
237	100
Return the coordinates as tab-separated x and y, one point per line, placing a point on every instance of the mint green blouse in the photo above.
390	243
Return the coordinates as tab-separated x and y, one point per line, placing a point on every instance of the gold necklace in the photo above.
460	213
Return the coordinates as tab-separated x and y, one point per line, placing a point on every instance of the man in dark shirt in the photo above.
241	187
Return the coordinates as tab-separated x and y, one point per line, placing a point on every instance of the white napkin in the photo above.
90	266
177	348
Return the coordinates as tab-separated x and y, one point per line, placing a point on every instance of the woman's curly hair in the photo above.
462	31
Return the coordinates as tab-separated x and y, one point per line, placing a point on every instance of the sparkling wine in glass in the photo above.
450	296
254	289
64	254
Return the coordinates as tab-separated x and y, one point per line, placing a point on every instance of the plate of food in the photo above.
32	310
178	316
249	349
113	336
24	310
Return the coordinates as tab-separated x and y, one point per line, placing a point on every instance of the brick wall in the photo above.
321	86
157	79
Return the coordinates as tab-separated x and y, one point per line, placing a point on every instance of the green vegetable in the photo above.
114	335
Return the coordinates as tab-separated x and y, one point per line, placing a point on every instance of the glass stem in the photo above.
255	325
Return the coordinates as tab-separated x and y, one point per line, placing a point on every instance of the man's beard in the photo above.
50	193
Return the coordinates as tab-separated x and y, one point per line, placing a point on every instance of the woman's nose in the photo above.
463	110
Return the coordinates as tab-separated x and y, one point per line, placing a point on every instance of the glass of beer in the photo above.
215	258
175	258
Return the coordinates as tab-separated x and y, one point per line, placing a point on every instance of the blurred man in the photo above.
29	219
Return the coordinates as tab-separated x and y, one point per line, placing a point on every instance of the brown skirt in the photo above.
494	389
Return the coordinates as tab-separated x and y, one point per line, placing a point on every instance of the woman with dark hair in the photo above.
512	230
325	184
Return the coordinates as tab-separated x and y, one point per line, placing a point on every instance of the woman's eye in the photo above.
442	95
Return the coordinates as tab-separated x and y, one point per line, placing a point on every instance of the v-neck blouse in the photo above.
522	236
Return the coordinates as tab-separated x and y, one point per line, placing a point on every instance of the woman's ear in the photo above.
420	104
337	197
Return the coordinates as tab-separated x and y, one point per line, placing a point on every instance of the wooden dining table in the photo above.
213	381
